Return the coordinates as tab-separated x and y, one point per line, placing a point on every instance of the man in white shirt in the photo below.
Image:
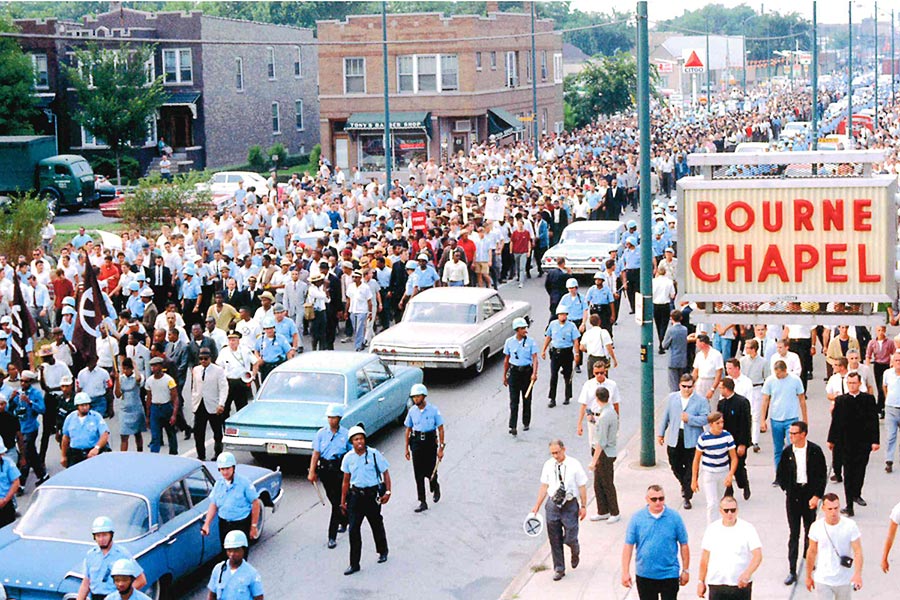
891	381
663	292
893	523
587	399
596	343
731	553
708	367
794	367
564	480
826	567
361	308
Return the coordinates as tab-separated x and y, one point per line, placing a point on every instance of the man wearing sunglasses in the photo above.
731	553
679	428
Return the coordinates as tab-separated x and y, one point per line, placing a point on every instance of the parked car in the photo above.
105	189
110	209
450	328
156	502
585	245
290	406
226	183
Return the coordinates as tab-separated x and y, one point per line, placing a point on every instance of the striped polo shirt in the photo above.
715	451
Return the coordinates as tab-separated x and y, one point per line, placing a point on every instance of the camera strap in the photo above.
830	541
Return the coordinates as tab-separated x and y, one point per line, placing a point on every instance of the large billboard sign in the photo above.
820	240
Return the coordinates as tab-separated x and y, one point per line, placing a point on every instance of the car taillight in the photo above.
456	353
231	431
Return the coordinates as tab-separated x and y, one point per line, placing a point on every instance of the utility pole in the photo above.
850	69
815	81
743	64
388	147
648	449
534	116
708	71
893	58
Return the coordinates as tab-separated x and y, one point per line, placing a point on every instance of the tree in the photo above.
17	101
607	85
21	224
119	108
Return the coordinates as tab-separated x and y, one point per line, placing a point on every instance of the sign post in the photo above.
694	66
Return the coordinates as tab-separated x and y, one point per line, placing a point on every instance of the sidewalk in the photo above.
601	544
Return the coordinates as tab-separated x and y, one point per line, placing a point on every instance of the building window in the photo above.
354	75
543	65
493	60
298	63
557	68
478	61
150	70
544	121
150	140
270	62
528	65
426	77
178	66
406	74
239	74
449	72
512	69
276	118
89	140
298	109
41	77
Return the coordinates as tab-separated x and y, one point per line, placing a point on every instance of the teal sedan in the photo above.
290	406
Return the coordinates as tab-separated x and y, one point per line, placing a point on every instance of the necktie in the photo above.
762	347
158	275
203	377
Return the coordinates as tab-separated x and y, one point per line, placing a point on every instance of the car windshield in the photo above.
319	388
582	236
80	168
67	514
441	312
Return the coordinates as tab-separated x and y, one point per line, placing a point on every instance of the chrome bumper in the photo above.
249	444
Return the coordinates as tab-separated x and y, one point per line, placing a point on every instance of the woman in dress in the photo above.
133	421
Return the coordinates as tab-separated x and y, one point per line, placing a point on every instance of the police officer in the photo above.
561	338
601	301
329	447
235	500
240	369
234	578
520	371
631	274
27	403
424	425
191	295
9	485
124	572
575	302
84	433
97	582
361	498
271	348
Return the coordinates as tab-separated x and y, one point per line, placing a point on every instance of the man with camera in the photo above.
565	481
833	571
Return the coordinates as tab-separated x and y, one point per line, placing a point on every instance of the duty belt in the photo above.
423	436
520	367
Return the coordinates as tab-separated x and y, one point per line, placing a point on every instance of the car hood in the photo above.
424	334
580	251
42	564
291	415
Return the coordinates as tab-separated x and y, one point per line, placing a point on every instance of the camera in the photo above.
559	497
847	561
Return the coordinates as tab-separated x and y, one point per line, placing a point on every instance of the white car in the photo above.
585	246
226	183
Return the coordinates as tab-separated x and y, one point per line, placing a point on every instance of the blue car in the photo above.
290	406
157	502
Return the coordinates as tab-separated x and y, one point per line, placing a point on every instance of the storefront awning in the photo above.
44	100
399	121
188	99
501	122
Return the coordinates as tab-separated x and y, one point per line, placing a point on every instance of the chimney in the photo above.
492	7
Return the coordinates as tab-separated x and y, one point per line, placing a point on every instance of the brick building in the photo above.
446	90
222	98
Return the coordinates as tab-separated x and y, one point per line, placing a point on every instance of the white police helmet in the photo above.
533	524
418	389
235	539
102	525
571	282
334	410
354	431
126	567
225	460
518	323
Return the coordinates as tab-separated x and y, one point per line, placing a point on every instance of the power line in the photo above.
748	38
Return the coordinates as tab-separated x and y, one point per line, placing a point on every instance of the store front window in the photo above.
408	145
371	152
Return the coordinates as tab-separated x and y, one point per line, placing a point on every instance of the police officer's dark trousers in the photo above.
241	525
519	378
329	473
49	422
561	359
423	445
562	528
362	504
238	395
633	277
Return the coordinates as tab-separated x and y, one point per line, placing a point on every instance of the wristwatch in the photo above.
387	493
443	446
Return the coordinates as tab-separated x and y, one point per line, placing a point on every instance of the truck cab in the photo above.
66	181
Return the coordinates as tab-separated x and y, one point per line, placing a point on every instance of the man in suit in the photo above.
177	353
560	220
397	285
802	475
209	391
150	310
675	341
335	306
736	410
555	284
615	201
854	427
233	296
679	428
160	278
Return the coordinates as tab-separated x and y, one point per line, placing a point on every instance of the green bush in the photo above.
256	158
315	155
277	150
153	203
20	226
105	164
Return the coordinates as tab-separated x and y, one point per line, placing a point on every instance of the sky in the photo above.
828	11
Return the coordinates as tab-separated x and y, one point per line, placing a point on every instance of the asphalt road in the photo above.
89	217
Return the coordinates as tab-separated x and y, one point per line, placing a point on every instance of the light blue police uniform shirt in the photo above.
135	595
426	278
190	289
273	349
97	567
234	500
243	584
631	258
576	305
27	414
9	473
562	335
135	306
520	352
362	469
84	434
599	296
427	419
68	329
5	358
332	444
286	328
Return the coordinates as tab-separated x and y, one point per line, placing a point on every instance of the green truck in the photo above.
29	163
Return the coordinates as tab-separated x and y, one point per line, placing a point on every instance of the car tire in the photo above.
260	524
262	458
161	590
479	365
52	198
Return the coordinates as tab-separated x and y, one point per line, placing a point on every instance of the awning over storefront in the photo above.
501	122
44	100
399	121
188	99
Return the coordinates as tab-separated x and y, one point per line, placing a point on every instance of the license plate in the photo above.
416	363
276	448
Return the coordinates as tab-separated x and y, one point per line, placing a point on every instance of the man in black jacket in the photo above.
615	201
738	421
555	284
335	306
160	280
854	428
802	474
397	285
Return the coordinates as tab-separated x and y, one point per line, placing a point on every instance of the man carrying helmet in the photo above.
424	424
124	573
235	501
366	486
272	349
9	485
562	339
234	578
332	442
520	371
97	568
84	433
